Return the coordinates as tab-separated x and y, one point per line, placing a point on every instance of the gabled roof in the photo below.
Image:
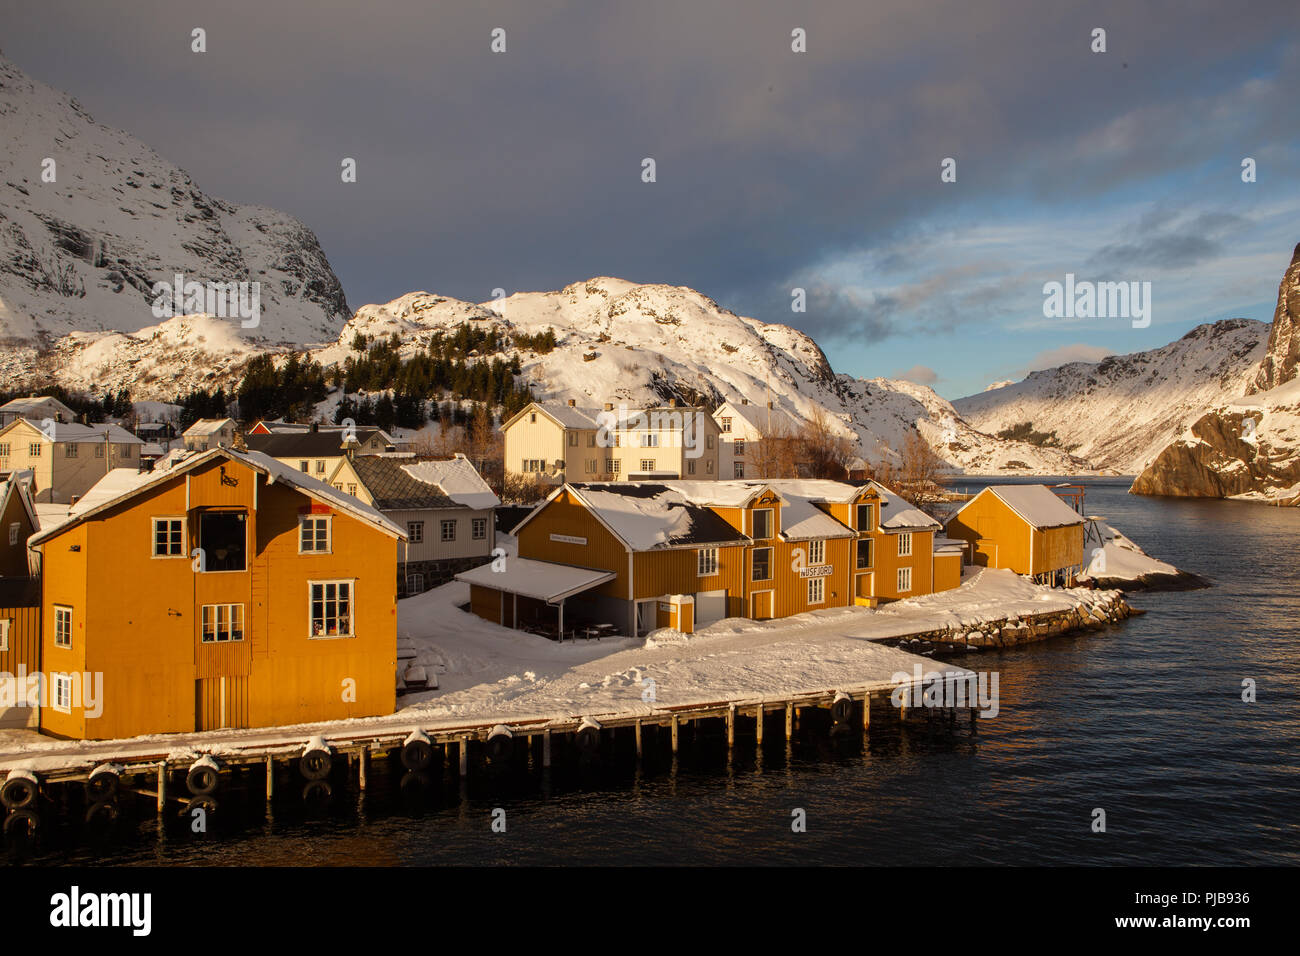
206	426
21	406
1038	505
759	417
897	515
19	483
121	484
537	579
401	483
305	444
563	414
73	433
647	516
458	479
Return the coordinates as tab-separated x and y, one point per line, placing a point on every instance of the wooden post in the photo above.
162	785
789	720
546	748
270	777
464	756
674	733
363	760
866	711
731	726
758	723
638	738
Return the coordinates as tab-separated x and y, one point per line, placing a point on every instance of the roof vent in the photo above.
572	403
744	401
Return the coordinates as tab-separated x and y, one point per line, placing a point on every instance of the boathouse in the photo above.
1027	529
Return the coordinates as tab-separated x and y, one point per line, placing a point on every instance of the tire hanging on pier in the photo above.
500	742
22	825
588	736
417	752
20	790
104	782
204	777
842	708
316	760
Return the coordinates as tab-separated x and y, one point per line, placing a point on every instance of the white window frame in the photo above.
213	612
61	682
478	529
904	580
351	584
647	464
816	590
737	469
816	553
706	562
153	543
726	425
415	532
649	440
304	466
60	612
738	446
905	544
4	633
70	450
303	520
14	528
34	450
771	524
871	548
415	576
443	525
858	514
320	466
771	558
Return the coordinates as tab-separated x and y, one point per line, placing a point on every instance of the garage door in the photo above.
710	606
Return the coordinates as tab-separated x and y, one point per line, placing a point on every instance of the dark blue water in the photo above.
1144	721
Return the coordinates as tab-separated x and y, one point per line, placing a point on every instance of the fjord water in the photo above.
1143	720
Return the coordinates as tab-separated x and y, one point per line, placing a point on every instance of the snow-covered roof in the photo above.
1037	504
944	545
647	515
206	426
802	520
536	579
759	417
897	515
122	483
73	433
567	416
35	403
458	479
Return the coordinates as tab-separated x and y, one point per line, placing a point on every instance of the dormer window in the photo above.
223	540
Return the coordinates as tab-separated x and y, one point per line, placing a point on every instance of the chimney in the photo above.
572	403
769	404
609	406
672	403
744	401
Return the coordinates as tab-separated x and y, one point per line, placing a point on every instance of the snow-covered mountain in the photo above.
81	253
1120	412
619	341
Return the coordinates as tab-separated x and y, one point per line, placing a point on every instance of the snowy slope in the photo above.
81	254
620	341
1120	412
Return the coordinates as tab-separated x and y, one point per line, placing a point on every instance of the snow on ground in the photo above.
488	673
1119	558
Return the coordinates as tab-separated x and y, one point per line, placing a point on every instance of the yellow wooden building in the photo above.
1027	529
229	590
639	553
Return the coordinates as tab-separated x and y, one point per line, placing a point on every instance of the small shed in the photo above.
1027	529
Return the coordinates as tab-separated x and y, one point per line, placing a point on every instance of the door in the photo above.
220	702
865	585
647	616
710	606
762	605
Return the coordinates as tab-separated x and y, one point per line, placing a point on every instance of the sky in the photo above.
775	170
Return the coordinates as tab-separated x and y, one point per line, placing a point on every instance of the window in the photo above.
647	464
352	488
70	450
99	451
320	466
304	466
449	530
690	466
864	517
708	441
222	538
726	425
415	531
222	623
128	451
592	465
612	465
314	534
34	449
573	439
739	446
62	693
865	552
816	590
762	524
169	537
415	583
331	608
13	533
649	440
4	633
904	580
4	449
708	465
905	544
707	562
737	469
762	564
591	439
816	553
532	418
478	528
62	626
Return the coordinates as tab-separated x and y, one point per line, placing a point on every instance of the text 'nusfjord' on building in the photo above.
226	589
684	554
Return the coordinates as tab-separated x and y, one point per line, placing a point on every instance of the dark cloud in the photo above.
1164	238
